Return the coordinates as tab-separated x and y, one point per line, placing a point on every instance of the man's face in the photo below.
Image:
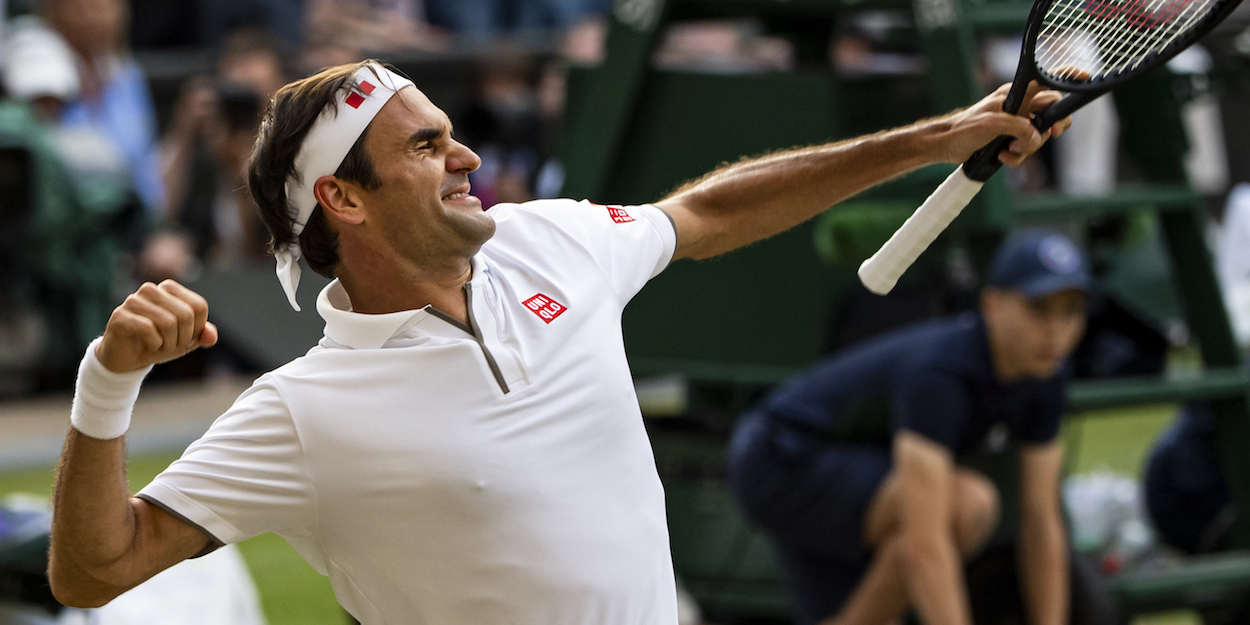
258	71
90	26
423	210
1032	337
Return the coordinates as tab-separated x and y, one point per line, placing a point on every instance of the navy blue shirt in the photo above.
935	379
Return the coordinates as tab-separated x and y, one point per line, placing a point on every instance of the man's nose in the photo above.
462	159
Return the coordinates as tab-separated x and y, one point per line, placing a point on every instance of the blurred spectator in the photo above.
322	50
868	45
552	89
1232	261
4	12
67	218
114	95
1186	492
256	59
505	126
211	215
365	26
165	24
250	60
34	44
723	46
481	18
220	18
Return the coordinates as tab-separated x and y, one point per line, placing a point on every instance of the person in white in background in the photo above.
1232	261
216	589
465	444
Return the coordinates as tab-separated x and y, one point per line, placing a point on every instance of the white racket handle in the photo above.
882	270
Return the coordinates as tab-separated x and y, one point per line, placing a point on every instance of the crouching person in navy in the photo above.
851	468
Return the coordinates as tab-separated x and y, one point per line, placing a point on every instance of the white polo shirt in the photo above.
442	474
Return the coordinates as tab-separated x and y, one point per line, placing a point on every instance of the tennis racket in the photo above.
1082	47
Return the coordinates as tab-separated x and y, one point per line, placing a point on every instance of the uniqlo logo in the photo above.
619	215
546	308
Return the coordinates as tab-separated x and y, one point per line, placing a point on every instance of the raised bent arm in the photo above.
105	542
757	198
1043	541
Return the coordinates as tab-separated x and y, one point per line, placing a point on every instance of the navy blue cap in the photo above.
1038	263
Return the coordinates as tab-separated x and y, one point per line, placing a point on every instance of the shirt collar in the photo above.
358	330
371	331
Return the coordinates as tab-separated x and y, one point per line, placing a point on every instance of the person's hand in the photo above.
195	108
968	130
166	255
155	324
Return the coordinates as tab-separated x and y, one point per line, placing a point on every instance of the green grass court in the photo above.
291	591
294	594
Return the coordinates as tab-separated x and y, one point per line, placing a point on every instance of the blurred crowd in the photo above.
101	187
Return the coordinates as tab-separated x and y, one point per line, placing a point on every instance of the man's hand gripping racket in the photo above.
1082	47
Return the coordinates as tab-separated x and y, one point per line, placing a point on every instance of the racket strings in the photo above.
1085	40
1099	38
1127	28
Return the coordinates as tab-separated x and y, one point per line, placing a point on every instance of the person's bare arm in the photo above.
757	198
1043	542
104	541
934	570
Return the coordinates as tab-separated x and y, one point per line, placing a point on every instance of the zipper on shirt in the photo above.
477	335
504	362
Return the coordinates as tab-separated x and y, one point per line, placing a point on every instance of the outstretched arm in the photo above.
757	198
104	541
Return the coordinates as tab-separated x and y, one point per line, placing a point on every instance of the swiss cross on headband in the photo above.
332	136
357	96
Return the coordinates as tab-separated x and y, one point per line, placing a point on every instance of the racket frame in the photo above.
984	162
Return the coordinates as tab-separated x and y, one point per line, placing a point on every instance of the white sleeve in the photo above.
245	476
631	244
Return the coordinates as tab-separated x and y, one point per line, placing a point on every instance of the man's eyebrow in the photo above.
425	134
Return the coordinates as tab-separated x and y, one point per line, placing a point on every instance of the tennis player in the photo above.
852	468
464	445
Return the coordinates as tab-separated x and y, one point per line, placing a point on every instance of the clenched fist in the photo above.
155	324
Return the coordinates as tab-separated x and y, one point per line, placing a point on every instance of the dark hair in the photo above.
287	122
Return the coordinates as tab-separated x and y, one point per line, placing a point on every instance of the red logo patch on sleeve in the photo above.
618	214
546	308
354	100
366	87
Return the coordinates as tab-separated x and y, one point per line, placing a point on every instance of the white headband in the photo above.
327	144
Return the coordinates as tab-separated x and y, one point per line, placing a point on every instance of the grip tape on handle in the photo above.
881	271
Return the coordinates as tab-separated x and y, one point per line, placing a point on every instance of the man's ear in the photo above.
339	199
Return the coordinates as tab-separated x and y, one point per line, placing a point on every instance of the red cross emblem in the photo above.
354	99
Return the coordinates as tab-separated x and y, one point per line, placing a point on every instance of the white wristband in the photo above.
103	399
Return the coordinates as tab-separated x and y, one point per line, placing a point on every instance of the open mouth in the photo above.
459	193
